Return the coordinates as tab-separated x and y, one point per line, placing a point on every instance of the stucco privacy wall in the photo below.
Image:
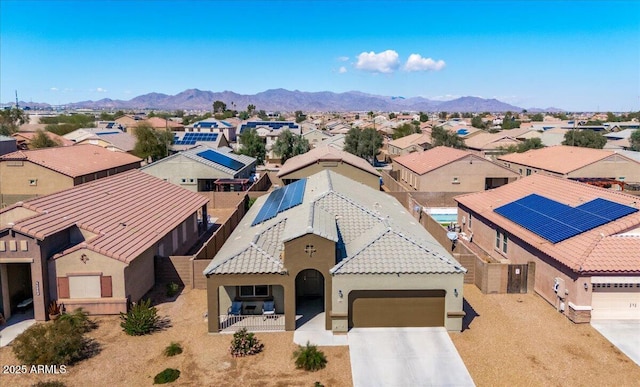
340	167
347	283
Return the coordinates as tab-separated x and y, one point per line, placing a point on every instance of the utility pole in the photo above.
17	104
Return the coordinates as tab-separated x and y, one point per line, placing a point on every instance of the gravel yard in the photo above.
133	361
519	339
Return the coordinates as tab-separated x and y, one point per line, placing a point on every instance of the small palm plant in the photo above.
309	357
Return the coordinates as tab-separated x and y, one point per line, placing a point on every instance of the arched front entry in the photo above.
309	286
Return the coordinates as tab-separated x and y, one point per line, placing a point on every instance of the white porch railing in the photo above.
253	322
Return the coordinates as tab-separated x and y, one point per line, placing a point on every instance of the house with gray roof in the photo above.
203	169
351	249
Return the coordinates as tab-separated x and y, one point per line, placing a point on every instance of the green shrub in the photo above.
167	376
173	349
172	289
57	343
141	319
309	357
51	383
245	343
79	319
318	384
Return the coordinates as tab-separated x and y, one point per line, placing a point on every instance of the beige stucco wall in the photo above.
139	276
340	167
614	166
14	180
347	283
470	172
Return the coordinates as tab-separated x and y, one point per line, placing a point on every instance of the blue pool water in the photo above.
445	218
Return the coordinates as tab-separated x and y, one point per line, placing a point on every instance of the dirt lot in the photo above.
521	340
133	361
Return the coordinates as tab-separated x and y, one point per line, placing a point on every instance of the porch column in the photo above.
213	307
6	300
290	306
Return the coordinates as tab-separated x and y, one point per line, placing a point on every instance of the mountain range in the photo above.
288	101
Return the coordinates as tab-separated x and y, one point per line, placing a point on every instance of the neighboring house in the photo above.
83	133
26	174
159	123
584	242
93	246
129	122
574	163
201	169
352	247
211	125
444	169
187	140
416	142
318	159
315	137
490	145
8	144
270	130
336	142
117	142
23	139
619	140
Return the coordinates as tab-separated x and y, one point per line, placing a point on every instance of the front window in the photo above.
497	239
254	291
505	239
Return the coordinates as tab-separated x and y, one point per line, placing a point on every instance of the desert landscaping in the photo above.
509	340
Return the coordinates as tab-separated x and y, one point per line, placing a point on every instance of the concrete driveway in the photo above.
624	334
405	357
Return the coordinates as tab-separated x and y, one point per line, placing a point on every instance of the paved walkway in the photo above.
624	334
389	357
16	324
310	326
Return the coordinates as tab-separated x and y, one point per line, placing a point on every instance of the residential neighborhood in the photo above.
300	194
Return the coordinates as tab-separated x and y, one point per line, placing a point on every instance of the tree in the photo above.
455	115
11	119
404	130
584	138
300	116
253	145
289	145
392	115
152	145
528	144
363	143
263	115
104	116
477	122
509	121
634	140
424	117
538	117
42	140
442	137
179	113
219	107
442	115
251	108
243	115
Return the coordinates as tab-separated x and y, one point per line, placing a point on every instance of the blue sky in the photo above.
567	54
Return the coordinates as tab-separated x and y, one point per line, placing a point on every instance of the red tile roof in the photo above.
75	161
591	251
325	153
161	123
412	139
31	135
427	161
559	159
129	212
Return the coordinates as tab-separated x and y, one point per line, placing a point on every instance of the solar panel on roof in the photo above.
221	159
280	200
555	221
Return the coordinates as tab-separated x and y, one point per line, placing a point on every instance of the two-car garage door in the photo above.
396	308
615	301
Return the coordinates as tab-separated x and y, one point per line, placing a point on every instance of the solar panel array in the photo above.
190	138
272	124
211	124
281	200
555	221
221	159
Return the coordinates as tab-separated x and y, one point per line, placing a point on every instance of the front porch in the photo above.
252	322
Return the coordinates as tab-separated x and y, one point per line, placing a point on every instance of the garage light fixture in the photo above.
340	293
586	286
455	292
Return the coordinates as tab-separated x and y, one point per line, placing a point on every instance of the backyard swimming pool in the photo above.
443	215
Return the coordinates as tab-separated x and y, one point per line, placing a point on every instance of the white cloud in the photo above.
417	63
342	58
342	70
446	97
384	62
101	90
54	89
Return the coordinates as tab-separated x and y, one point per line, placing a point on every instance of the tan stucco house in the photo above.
327	157
30	173
330	239
416	142
574	162
93	246
444	169
582	242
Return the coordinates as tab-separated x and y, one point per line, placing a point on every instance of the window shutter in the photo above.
105	286
63	287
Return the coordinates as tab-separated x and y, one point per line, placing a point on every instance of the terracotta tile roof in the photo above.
29	136
325	153
427	161
412	139
122	141
559	159
490	141
579	252
127	212
161	123
75	161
